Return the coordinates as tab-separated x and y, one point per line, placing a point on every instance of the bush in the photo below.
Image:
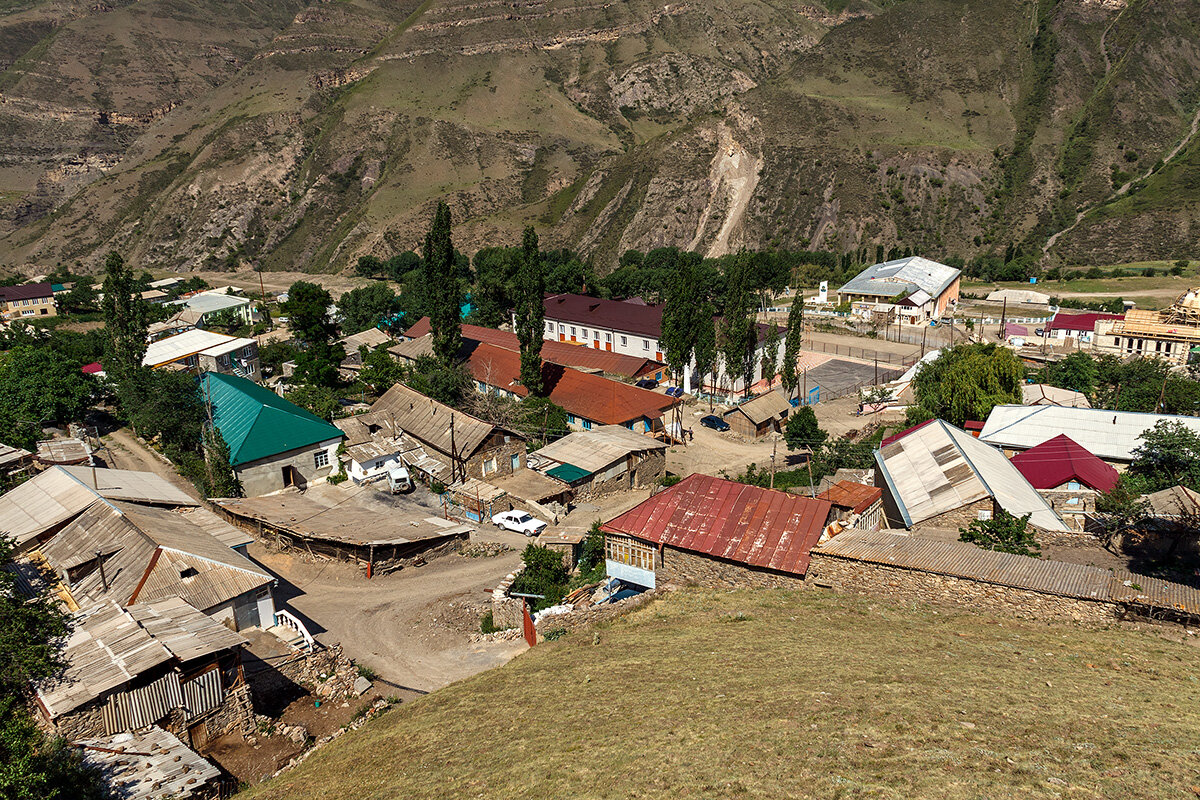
669	480
545	574
1004	533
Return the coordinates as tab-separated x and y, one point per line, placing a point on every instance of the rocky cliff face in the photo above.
199	133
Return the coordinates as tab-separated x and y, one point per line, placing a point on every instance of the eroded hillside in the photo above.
193	133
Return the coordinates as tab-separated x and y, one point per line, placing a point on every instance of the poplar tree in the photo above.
792	341
530	312
442	289
125	321
738	332
706	346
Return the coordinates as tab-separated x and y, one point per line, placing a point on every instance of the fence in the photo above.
862	353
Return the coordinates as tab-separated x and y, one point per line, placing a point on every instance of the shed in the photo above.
149	765
603	459
756	418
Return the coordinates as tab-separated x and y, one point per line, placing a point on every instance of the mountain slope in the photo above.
328	132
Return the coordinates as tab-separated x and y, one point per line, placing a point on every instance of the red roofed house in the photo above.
630	327
1076	326
716	533
1068	476
590	400
855	503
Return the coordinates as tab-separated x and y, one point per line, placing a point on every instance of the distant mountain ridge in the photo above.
195	133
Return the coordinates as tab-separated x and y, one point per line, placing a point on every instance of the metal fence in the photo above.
863	353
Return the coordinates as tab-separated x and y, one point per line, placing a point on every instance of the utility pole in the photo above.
774	448
877	368
1003	316
453	451
924	332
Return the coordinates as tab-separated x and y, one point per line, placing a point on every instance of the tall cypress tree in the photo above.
530	312
684	303
442	288
738	332
125	321
792	341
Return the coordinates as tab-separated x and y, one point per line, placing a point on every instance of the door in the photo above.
514	462
245	613
608	346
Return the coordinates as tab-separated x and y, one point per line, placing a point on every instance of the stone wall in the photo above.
1075	513
234	715
266	475
500	450
645	473
957	518
682	567
83	723
879	580
507	611
585	617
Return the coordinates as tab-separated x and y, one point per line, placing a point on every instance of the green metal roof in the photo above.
257	423
568	473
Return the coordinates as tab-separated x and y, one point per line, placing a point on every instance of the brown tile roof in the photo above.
617	315
746	524
29	291
583	394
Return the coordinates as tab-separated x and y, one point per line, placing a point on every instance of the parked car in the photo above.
674	391
646	383
519	522
714	422
399	481
1039	332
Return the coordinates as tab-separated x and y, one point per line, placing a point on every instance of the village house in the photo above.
371	338
605	459
1068	476
634	328
273	444
1111	435
205	351
1076	327
763	415
855	505
589	400
46	503
152	764
584	359
161	664
1043	394
1174	510
14	459
937	476
928	288
30	301
202	306
130	554
452	444
715	533
1171	334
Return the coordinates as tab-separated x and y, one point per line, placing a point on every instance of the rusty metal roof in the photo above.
857	497
962	560
149	765
747	524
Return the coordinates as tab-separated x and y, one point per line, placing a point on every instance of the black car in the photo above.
646	383
714	422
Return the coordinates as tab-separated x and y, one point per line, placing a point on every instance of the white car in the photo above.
519	521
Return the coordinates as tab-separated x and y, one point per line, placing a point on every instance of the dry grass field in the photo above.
775	694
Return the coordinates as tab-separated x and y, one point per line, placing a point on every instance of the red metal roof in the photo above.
583	394
857	497
569	355
1079	322
28	291
644	319
1059	460
747	524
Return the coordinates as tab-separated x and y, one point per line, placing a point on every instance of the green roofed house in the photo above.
273	444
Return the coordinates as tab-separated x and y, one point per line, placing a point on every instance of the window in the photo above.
246	352
608	337
489	466
562	328
583	332
624	550
587	424
645	344
983	516
596	335
1074	486
571	419
624	341
1072	501
321	458
549	327
572	330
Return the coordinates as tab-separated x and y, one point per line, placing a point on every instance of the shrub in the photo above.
1004	533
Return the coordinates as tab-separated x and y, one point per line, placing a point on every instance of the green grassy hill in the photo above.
773	694
303	137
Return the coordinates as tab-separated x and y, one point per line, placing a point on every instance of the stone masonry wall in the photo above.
585	617
507	611
878	580
958	517
682	567
502	452
646	473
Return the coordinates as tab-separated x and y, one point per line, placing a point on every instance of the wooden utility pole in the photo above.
924	333
453	451
774	449
1003	317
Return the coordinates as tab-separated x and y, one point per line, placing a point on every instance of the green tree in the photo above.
544	574
364	307
738	332
770	356
318	365
705	350
528	294
164	405
1169	455
227	321
38	385
542	421
442	289
1003	532
82	298
965	382
34	766
1119	510
685	305
307	308
320	400
496	285
380	370
222	480
125	320
802	431
446	384
1077	372
793	340
369	267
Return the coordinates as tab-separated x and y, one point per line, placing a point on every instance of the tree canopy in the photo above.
802	431
529	288
965	382
442	288
39	385
1169	455
125	320
365	307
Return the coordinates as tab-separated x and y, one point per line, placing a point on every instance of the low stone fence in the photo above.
507	611
325	672
586	617
879	580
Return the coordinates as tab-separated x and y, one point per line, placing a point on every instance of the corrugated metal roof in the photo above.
136	487
186	632
598	448
203	693
1079	322
1059	460
644	319
746	524
149	765
903	275
188	343
1177	501
63	451
936	467
529	484
370	338
257	423
12	455
771	405
963	560
855	496
138	708
568	473
1111	435
1043	394
428	421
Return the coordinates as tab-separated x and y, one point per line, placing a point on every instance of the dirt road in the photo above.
122	450
410	627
